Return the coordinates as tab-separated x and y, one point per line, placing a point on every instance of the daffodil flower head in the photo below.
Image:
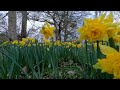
22	43
57	43
24	39
116	39
112	29
96	29
15	42
109	18
110	64
5	43
32	40
92	30
47	42
47	31
78	45
73	45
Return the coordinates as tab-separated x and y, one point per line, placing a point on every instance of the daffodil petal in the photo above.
102	16
109	18
107	50
47	24
86	20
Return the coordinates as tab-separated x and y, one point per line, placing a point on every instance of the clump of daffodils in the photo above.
72	44
97	29
110	64
5	43
67	44
58	43
25	41
92	30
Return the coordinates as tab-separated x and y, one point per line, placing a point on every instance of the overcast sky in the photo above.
36	24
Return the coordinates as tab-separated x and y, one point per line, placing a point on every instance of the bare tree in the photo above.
62	20
66	22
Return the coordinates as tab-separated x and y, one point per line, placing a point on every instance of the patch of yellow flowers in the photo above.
99	28
103	28
47	31
25	41
68	44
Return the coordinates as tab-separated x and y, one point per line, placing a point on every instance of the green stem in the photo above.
86	46
102	42
97	49
99	53
111	42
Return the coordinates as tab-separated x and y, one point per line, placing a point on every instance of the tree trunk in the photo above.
65	37
12	25
96	14
99	13
24	24
66	26
59	32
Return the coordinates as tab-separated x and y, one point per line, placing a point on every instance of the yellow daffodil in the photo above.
67	46
118	33
31	39
68	43
95	45
110	64
73	45
57	43
111	31
109	18
92	30
78	45
22	43
29	45
47	42
98	28
116	39
24	39
15	42
112	27
47	31
5	43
